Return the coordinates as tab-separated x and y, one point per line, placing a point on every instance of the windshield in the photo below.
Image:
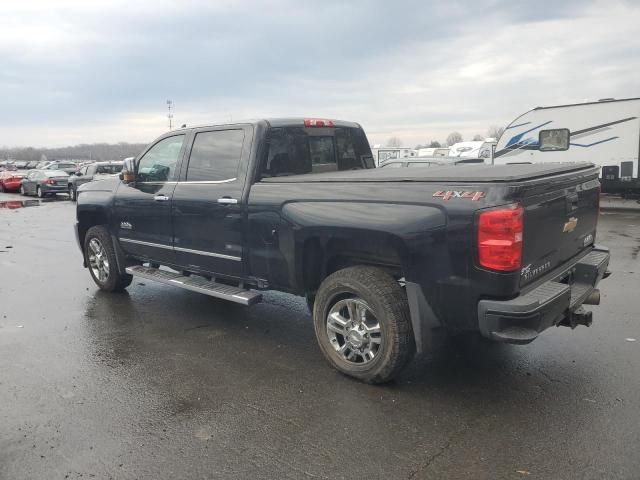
56	173
302	150
108	169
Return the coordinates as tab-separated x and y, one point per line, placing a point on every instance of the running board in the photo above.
197	284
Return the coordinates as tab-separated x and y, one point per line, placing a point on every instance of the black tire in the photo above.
72	193
2	188
387	301
114	281
23	191
39	193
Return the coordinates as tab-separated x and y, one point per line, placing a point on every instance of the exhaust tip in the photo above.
593	298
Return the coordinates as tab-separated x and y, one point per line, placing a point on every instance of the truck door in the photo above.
207	207
142	210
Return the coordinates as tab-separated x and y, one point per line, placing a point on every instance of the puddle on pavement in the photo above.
14	204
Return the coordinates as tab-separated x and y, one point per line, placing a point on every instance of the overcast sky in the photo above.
89	71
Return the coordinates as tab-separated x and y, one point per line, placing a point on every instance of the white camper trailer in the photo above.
474	149
606	133
433	152
382	154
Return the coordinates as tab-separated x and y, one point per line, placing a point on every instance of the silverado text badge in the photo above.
530	271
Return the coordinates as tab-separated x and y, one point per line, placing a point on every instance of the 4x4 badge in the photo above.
473	196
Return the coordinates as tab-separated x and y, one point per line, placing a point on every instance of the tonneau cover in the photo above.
460	173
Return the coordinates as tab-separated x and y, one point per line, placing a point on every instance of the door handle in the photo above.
161	198
228	201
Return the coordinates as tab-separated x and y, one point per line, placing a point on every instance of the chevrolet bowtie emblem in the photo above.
571	225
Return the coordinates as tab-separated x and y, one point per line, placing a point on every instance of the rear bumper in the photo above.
558	301
54	188
12	184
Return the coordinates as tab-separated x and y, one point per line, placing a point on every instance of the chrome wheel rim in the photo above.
98	261
354	331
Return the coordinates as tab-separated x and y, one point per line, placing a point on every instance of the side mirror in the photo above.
128	173
556	140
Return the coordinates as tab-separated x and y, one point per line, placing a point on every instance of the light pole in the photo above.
169	115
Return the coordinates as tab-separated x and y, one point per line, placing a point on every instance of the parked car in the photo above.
8	167
20	164
10	180
44	182
91	172
31	165
69	167
431	162
386	257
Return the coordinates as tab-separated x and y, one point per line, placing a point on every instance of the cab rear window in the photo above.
300	150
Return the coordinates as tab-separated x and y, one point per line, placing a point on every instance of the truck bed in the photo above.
457	174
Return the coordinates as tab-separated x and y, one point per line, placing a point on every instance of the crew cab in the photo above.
387	258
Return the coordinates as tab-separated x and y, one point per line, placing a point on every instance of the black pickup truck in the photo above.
387	258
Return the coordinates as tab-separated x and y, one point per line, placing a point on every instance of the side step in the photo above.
197	284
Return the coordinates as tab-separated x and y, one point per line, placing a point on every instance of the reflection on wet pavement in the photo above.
14	204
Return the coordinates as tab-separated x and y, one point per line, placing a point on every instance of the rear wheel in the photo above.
23	191
72	193
101	260
362	324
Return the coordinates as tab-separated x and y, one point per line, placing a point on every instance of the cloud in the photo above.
101	71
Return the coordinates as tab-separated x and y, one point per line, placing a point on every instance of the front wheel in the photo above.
2	188
362	324
101	259
39	192
72	193
23	191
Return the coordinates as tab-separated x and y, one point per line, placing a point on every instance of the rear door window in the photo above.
300	150
215	156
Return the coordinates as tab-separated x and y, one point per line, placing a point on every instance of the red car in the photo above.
10	181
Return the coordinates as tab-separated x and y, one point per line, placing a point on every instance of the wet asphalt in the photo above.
161	383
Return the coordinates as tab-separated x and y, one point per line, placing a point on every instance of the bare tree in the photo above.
495	131
94	151
394	142
478	138
454	137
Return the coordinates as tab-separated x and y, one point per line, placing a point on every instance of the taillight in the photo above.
51	181
500	238
316	122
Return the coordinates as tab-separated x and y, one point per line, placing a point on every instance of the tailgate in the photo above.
560	221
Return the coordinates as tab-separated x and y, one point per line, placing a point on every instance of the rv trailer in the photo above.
606	132
473	149
383	154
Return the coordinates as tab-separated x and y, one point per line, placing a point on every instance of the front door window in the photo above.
159	163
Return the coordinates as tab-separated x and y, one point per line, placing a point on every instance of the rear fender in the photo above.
399	237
